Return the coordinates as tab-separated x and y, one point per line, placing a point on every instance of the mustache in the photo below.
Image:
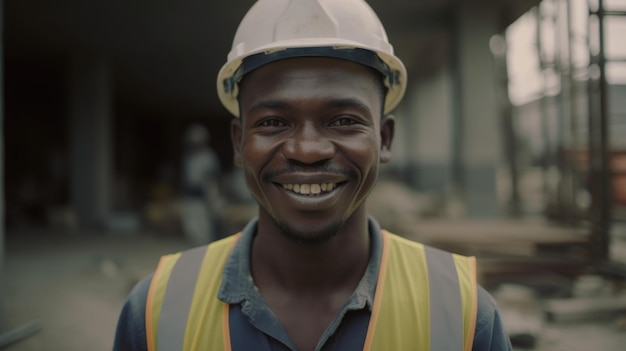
310	169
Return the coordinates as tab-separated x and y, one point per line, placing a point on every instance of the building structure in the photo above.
98	93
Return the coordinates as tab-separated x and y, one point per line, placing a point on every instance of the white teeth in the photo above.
310	189
305	189
316	189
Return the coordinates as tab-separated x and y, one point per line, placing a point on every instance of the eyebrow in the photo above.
270	104
348	102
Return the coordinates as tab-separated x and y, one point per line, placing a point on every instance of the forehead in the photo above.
312	77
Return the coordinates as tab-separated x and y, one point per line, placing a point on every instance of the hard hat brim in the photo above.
228	88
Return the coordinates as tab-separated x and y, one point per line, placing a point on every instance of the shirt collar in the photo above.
237	284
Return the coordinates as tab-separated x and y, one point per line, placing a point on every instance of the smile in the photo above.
310	189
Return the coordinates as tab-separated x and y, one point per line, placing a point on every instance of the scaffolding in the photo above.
577	161
602	155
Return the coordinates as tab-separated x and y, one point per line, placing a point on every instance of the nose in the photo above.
309	145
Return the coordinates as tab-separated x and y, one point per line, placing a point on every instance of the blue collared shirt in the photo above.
346	332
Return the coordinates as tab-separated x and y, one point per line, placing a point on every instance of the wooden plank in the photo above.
476	232
587	308
486	238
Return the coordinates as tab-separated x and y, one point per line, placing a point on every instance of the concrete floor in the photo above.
73	286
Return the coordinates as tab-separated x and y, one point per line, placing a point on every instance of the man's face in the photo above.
310	140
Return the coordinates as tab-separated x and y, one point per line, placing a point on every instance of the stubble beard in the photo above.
309	238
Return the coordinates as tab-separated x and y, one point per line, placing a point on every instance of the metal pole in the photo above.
499	50
546	152
2	280
561	67
599	152
568	112
574	147
457	178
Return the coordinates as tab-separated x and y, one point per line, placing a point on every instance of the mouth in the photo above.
315	189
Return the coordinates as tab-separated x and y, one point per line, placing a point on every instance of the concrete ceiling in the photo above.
167	53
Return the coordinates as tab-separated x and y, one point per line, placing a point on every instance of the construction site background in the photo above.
65	287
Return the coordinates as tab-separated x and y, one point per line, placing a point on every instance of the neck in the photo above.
334	264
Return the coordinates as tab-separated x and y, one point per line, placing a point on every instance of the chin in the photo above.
310	236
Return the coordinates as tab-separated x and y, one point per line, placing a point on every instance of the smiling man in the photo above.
311	84
308	124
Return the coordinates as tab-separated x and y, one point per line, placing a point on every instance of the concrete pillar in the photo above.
91	149
429	133
480	139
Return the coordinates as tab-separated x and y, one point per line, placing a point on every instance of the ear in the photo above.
387	129
236	133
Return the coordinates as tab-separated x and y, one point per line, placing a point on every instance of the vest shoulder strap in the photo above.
436	287
172	302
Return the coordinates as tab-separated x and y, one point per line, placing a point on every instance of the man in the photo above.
311	84
201	172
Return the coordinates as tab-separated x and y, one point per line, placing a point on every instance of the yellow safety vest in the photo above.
426	299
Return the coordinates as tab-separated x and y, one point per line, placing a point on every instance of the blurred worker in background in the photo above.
311	84
201	172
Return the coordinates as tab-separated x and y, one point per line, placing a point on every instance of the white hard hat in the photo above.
278	29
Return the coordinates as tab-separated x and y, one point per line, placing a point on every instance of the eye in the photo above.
343	121
272	122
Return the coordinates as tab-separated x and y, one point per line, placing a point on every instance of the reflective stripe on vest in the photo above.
425	300
436	287
177	325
